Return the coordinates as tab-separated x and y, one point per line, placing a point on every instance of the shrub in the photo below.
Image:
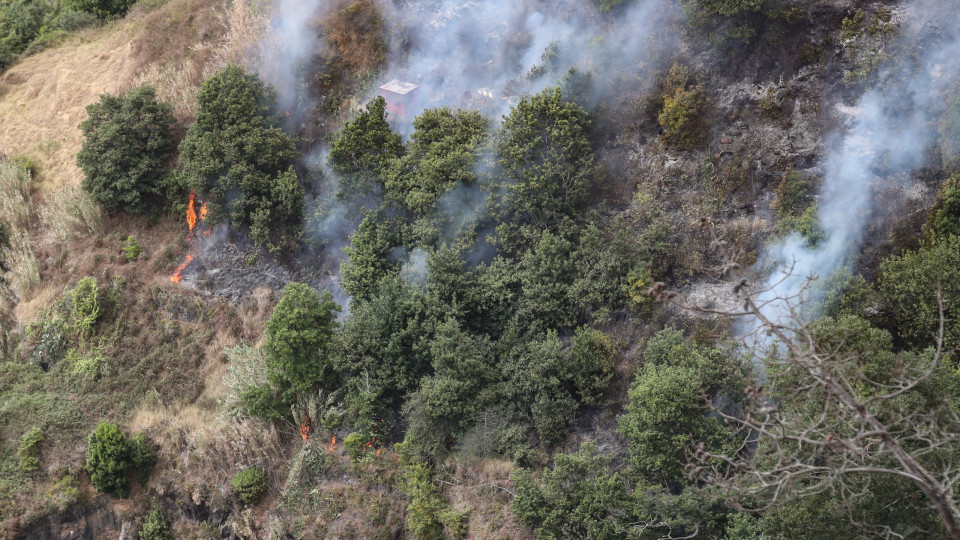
86	307
102	9
591	363
108	457
126	142
29	449
156	527
131	249
354	445
72	21
794	194
944	217
683	108
249	484
142	456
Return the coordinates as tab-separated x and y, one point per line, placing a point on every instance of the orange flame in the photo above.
333	443
305	427
380	450
191	214
178	275
203	211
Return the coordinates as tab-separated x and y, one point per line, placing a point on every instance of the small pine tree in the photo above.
249	484
156	527
108	457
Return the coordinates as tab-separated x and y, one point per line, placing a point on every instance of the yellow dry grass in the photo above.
43	99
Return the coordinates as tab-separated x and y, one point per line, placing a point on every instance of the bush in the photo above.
131	249
591	364
944	218
86	307
142	456
102	9
108	458
354	445
249	484
72	21
682	113
156	527
237	159
29	449
127	140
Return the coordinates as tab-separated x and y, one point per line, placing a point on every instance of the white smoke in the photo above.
892	128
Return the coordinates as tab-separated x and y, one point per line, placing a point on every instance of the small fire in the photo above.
333	444
203	211
305	427
178	275
192	214
380	450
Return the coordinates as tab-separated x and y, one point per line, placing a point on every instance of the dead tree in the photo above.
848	423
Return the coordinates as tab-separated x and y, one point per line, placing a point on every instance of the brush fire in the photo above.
192	217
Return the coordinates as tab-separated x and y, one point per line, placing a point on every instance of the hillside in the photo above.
389	269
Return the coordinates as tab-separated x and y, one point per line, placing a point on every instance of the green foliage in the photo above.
353	445
363	148
603	262
85	312
547	272
807	225
443	152
578	498
944	218
156	527
131	249
606	5
29	449
909	284
682	117
127	141
249	484
235	147
384	349
667	411
103	9
462	385
142	456
368	253
591	364
794	194
250	392
950	133
866	46
428	513
108	457
739	17
298	336
544	150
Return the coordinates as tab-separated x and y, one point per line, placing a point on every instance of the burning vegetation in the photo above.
193	217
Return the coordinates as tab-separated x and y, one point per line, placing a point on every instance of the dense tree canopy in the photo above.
126	144
237	159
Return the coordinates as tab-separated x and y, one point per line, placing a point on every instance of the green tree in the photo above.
578	498
462	385
127	141
298	337
108	458
944	217
384	349
368	255
237	159
28	450
249	484
443	152
544	150
103	9
909	284
156	527
547	273
591	364
667	412
363	148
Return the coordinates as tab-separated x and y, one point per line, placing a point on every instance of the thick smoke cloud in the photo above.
483	54
889	135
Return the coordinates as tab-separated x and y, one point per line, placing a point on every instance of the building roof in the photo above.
397	86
